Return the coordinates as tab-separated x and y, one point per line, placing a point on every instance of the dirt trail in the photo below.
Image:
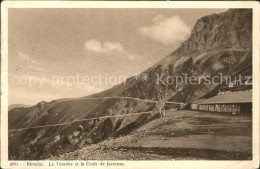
103	117
119	97
181	135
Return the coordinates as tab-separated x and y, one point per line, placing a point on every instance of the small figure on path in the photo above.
163	112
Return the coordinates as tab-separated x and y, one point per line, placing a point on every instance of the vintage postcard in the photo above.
129	84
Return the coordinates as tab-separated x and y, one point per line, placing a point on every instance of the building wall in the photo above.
211	107
194	106
246	108
224	107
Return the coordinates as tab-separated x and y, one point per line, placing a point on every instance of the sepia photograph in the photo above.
126	83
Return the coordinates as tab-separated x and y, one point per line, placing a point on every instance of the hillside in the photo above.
217	45
62	111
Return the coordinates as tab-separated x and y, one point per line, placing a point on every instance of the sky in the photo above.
50	49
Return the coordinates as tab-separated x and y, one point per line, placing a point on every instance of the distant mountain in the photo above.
13	106
218	44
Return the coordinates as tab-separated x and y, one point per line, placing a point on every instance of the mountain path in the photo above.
103	117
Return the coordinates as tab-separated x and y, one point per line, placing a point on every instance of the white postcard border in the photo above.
133	4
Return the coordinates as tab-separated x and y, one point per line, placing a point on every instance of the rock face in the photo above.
232	29
220	44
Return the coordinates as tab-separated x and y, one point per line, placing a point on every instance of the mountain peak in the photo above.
231	29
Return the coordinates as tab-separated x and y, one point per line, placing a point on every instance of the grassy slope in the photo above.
63	111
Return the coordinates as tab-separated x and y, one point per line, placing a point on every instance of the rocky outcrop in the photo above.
232	29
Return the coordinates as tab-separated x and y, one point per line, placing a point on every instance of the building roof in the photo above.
197	101
230	97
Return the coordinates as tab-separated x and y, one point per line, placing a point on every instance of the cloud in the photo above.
93	45
96	46
167	30
25	57
108	46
